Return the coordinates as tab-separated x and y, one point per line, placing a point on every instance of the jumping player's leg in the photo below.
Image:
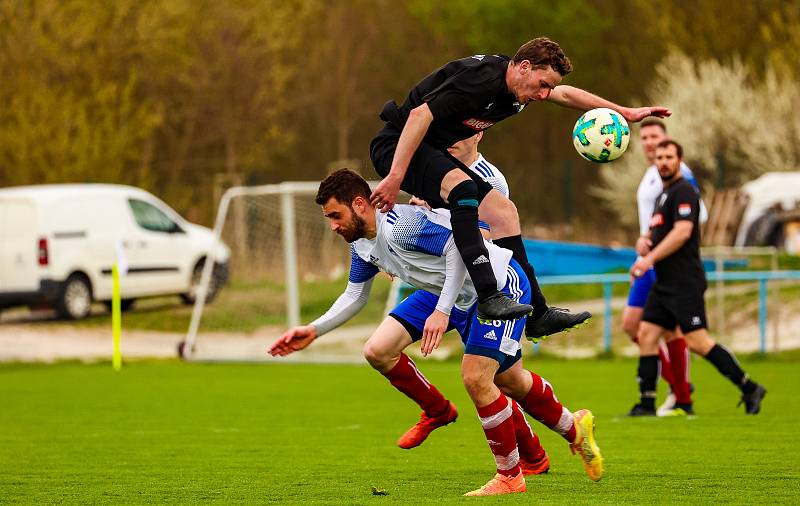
442	181
463	197
384	352
501	215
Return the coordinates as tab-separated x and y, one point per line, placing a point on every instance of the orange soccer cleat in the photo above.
540	466
501	484
417	434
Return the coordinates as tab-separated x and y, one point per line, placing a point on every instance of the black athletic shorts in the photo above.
687	310
425	172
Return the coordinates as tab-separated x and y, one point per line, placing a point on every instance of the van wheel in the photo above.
124	304
190	297
75	298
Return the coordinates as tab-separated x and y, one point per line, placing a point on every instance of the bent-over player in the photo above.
416	245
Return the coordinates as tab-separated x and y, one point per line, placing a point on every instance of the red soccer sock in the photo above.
679	357
664	355
541	403
405	377
498	425
530	448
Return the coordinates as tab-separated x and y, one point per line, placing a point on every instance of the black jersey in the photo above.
682	271
465	96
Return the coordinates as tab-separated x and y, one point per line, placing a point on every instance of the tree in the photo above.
723	113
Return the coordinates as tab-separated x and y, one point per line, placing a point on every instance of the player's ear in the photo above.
359	203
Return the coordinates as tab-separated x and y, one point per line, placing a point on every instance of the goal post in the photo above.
277	235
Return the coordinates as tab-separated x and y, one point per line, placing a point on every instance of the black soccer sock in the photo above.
463	201
727	365
648	375
514	243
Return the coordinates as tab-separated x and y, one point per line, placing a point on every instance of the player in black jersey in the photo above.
676	298
453	103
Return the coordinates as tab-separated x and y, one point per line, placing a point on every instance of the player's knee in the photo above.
463	196
630	326
475	384
376	357
498	211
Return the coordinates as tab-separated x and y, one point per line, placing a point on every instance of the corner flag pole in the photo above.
120	267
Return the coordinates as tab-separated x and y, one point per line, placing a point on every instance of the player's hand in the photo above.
416	201
435	327
636	114
643	246
385	194
292	340
641	266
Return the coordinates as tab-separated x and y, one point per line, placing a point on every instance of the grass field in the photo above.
171	432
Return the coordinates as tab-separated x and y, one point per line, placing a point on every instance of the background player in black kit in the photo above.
677	295
451	104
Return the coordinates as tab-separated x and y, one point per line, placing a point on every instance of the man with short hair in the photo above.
416	244
672	351
453	103
676	299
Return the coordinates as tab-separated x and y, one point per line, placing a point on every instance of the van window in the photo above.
149	217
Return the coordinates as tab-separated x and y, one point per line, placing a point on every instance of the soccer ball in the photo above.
601	135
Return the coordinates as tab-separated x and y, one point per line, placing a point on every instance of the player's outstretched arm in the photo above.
576	98
385	194
292	340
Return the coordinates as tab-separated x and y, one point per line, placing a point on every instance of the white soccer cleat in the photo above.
666	406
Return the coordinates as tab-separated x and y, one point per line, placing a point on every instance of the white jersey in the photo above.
651	187
490	174
415	245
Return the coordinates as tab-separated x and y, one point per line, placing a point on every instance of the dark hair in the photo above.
344	185
670	142
651	121
543	52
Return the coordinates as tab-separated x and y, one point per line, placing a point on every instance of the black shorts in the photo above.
425	172
687	310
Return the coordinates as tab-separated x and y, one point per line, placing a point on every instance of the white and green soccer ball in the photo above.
601	135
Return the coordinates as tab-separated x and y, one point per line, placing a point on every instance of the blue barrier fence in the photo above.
608	280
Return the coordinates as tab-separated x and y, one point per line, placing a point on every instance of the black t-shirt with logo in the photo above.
682	271
465	96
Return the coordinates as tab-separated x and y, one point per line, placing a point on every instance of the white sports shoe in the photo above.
667	406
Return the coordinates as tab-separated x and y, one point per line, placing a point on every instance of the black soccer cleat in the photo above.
752	401
639	410
499	307
554	320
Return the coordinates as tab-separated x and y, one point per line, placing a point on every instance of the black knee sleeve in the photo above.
463	202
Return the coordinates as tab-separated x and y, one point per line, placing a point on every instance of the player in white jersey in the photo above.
673	352
416	244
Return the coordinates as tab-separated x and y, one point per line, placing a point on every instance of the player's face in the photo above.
667	162
650	136
532	84
344	220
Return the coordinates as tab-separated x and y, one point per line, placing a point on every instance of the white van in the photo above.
59	242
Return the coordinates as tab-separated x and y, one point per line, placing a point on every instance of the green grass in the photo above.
280	433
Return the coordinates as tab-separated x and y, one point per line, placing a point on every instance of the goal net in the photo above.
284	262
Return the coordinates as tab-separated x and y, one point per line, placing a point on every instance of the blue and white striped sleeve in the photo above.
417	233
360	269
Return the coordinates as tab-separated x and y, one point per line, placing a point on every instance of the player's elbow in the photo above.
421	114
